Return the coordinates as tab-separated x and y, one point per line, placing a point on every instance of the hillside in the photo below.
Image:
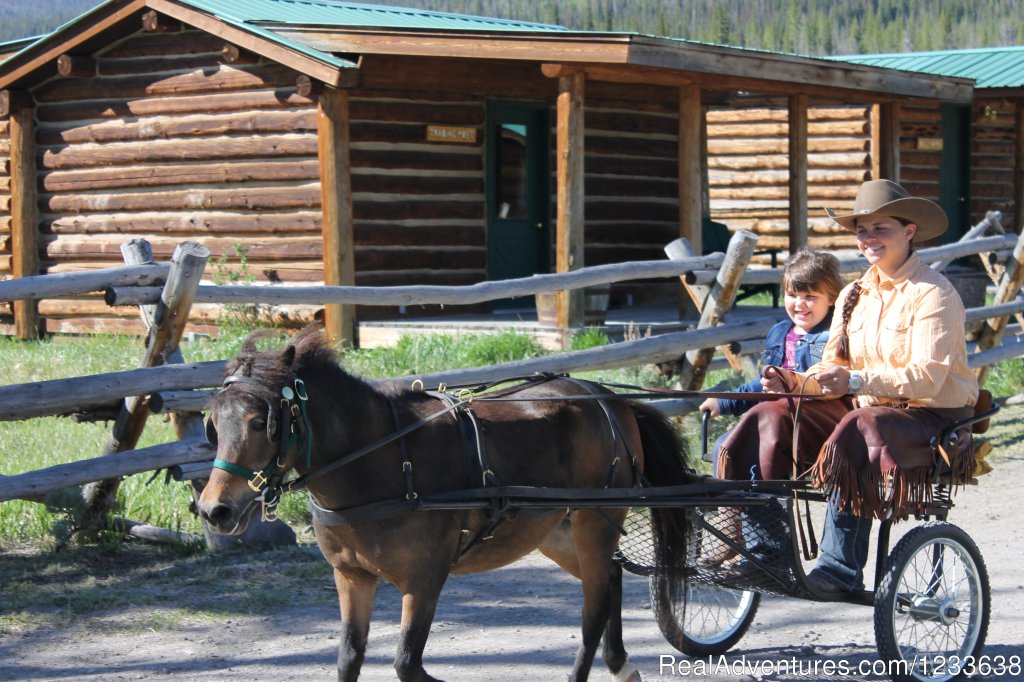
816	27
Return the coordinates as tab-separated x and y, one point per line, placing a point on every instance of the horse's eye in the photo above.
258	424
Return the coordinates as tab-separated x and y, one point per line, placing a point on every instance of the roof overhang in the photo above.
635	58
120	18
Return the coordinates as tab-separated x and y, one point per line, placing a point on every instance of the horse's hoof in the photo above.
628	673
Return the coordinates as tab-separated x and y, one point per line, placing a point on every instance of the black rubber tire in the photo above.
951	612
704	605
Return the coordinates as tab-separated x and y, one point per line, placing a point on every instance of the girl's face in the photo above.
884	241
806	308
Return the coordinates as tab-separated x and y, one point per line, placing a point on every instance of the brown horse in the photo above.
539	443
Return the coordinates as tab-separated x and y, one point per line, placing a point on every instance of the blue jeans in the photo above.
844	547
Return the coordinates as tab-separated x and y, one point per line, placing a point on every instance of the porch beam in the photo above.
797	172
569	218
336	204
885	141
24	214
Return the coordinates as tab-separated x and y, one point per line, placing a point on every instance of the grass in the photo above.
39	443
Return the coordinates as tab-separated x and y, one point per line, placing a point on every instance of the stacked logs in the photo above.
748	168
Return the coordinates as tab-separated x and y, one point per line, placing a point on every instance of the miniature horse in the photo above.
544	443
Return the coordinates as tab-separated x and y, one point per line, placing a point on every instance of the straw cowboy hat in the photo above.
888	198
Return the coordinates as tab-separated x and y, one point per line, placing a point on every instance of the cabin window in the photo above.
511	165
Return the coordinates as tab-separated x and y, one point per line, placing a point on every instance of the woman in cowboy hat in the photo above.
896	361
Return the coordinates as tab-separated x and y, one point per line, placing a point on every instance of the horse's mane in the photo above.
308	353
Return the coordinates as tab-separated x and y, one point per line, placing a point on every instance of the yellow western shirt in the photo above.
906	340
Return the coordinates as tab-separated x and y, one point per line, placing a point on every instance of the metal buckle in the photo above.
258	481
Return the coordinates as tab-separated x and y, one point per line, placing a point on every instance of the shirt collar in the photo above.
872	279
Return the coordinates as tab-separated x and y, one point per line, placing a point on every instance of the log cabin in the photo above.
322	141
971	155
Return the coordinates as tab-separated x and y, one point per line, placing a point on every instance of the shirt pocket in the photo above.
774	354
895	342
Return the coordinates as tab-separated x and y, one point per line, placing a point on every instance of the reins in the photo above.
268	483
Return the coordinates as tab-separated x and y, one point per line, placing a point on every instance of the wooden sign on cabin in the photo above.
929	144
459	134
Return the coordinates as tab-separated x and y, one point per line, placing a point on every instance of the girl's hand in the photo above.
711	407
772	381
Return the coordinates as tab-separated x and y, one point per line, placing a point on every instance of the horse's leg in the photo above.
419	601
355	596
614	650
595	538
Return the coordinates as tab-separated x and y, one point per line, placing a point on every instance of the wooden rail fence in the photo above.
167	384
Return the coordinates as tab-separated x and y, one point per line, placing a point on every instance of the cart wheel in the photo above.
932	604
715	618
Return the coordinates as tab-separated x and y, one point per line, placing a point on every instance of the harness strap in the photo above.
410	487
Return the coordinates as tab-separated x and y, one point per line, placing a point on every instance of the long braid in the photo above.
843	347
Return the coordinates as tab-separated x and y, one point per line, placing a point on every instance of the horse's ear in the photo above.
249	346
288	356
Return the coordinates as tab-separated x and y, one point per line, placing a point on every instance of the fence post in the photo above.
719	301
1009	286
679	249
169	319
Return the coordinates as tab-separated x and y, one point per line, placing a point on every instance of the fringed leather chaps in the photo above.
880	462
764	438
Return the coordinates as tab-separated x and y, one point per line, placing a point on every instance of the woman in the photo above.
897	362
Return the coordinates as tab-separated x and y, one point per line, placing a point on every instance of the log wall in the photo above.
992	159
748	169
631	169
920	168
167	142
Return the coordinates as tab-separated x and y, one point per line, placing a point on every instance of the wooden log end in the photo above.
76	66
13	100
232	54
154	22
307	87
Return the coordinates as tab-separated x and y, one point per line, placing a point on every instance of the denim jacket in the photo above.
809	348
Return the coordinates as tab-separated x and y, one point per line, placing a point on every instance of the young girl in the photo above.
811	284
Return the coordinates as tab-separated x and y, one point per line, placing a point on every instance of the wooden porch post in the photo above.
797	172
24	215
885	141
336	203
1018	169
690	190
692	154
569	220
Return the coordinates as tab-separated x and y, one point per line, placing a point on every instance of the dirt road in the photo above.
150	614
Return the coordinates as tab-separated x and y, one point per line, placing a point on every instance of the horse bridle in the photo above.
287	431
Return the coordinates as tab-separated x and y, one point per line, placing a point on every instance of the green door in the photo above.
518	198
955	174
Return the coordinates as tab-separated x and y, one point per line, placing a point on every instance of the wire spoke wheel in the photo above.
712	620
932	605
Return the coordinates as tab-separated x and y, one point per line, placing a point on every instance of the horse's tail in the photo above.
665	463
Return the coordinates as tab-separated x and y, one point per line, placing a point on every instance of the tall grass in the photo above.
38	443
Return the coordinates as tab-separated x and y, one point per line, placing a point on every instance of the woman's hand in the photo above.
711	407
834	381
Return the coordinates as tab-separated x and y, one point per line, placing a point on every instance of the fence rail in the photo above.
175	383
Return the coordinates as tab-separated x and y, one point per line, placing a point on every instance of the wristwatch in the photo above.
855	382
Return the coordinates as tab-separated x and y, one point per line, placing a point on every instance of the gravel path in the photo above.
273	615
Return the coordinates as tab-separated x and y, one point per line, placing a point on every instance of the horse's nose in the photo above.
216	515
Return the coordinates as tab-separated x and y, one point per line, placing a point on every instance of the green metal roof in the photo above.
336	13
989	67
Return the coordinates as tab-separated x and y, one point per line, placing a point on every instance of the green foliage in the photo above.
816	27
24	19
590	337
1006	378
237	318
423	353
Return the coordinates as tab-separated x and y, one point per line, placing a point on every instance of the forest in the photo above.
812	27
